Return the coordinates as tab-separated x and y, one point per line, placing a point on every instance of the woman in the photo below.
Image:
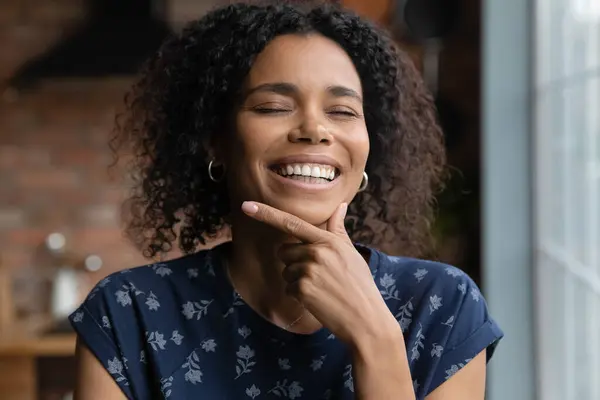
302	129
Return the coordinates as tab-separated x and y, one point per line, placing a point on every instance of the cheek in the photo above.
247	146
366	147
359	147
246	143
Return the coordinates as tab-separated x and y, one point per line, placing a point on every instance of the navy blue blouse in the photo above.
179	330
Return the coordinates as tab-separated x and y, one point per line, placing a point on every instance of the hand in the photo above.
328	275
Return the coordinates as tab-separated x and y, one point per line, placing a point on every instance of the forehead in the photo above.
309	61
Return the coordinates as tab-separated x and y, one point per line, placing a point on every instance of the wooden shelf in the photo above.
62	345
19	354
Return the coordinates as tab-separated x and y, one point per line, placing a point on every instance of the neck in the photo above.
256	273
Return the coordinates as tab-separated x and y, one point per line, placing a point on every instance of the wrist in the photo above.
378	339
381	367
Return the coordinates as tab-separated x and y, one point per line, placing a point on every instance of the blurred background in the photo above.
517	84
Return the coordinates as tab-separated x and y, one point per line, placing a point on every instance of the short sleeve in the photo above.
471	330
105	323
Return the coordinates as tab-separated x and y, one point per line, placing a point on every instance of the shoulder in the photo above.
418	269
149	290
433	282
442	313
158	275
142	315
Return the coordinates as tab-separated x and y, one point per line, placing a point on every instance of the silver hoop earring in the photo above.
364	183
210	173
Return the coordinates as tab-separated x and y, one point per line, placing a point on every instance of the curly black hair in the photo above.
186	96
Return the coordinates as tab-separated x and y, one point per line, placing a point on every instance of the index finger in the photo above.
284	222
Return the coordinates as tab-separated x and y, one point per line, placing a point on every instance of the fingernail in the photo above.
249	207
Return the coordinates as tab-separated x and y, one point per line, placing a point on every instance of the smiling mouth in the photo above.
307	173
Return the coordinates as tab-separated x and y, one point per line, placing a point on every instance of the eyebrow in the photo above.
288	89
285	89
342	91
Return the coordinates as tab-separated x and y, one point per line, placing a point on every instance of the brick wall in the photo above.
53	149
53	172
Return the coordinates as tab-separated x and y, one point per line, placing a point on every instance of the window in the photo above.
567	198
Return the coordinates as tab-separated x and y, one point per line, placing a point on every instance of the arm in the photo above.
380	368
93	381
467	384
381	372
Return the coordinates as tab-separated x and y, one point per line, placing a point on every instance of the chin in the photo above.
315	213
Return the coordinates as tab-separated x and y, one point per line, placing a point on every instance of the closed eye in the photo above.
268	110
344	112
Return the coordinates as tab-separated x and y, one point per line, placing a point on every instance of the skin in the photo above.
310	119
291	254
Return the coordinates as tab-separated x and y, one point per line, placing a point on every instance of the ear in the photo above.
218	143
214	150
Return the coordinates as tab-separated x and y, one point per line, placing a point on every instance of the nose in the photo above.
311	133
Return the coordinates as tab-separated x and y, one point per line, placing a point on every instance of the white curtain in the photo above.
567	198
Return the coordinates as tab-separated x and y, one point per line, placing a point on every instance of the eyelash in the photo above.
263	110
345	113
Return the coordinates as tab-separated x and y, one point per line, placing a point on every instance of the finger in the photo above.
284	222
336	221
293	272
290	253
293	290
299	289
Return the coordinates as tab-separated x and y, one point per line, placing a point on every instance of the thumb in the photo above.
335	224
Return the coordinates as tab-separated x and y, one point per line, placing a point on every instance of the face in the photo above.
300	142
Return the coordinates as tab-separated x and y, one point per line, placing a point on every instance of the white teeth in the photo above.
306	171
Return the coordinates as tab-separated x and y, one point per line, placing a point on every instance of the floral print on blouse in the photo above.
178	330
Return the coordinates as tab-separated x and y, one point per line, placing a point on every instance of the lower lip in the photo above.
305	185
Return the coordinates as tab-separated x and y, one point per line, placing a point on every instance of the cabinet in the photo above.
20	356
23	349
376	10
